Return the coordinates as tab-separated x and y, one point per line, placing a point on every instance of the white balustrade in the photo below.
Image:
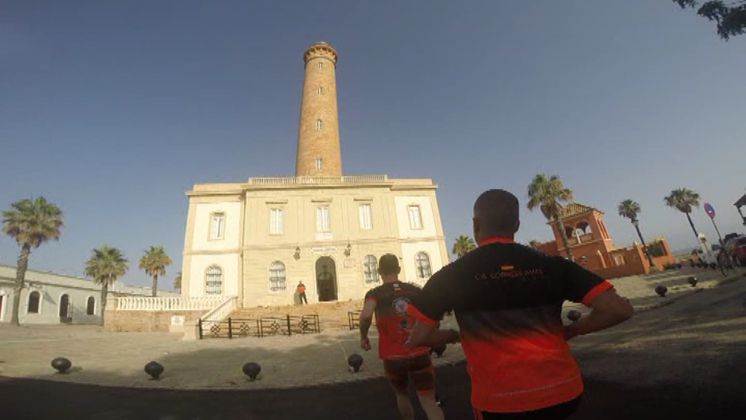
302	180
171	303
222	310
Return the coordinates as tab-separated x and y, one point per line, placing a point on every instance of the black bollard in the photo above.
61	364
252	370
154	369
355	361
661	290
574	315
692	280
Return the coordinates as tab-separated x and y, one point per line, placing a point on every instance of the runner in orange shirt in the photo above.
508	301
301	290
389	303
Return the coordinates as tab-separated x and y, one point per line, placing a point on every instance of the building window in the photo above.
366	220
370	269
320	91
320	65
415	217
422	264
217	226
90	305
33	303
275	222
319	124
322	219
214	280
277	276
318	164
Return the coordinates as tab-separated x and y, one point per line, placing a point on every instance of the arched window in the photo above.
277	276
584	228
370	269
422	264
33	302
569	231
319	124
90	306
214	280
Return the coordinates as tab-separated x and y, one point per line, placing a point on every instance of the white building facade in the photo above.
257	240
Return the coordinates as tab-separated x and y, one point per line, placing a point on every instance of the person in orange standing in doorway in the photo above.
508	303
301	290
389	302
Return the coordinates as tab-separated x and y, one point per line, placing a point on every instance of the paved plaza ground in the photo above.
683	360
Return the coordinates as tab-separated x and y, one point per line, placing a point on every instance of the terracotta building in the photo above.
594	249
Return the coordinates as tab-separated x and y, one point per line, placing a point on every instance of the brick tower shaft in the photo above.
318	133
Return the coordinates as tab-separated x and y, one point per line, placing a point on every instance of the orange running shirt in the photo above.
393	322
508	301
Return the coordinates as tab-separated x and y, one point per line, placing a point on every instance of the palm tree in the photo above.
105	266
548	194
154	262
177	281
683	200
629	209
463	245
31	222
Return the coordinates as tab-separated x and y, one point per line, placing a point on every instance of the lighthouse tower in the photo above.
318	133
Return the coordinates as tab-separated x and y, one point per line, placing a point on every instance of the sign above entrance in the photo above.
323	250
710	210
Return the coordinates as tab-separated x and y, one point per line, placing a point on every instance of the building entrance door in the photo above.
65	315
326	279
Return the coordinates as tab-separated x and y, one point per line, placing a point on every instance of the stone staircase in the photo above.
332	315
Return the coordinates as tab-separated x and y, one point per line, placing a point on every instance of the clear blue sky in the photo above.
113	110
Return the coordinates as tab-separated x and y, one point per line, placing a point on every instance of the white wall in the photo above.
410	250
202	212
426	212
49	304
229	263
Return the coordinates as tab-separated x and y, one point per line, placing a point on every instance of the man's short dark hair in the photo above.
497	211
388	264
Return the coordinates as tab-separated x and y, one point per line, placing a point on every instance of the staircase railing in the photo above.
218	313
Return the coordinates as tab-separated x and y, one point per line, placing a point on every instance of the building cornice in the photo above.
310	183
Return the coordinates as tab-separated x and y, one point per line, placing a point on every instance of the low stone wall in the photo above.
621	271
148	321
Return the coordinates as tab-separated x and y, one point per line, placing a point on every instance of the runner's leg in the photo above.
404	406
423	376
396	373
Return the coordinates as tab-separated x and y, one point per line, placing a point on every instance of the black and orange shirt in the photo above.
392	320
508	300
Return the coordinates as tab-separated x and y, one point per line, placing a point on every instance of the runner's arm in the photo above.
425	334
607	309
366	319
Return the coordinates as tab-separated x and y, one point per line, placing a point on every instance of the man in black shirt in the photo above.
508	301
